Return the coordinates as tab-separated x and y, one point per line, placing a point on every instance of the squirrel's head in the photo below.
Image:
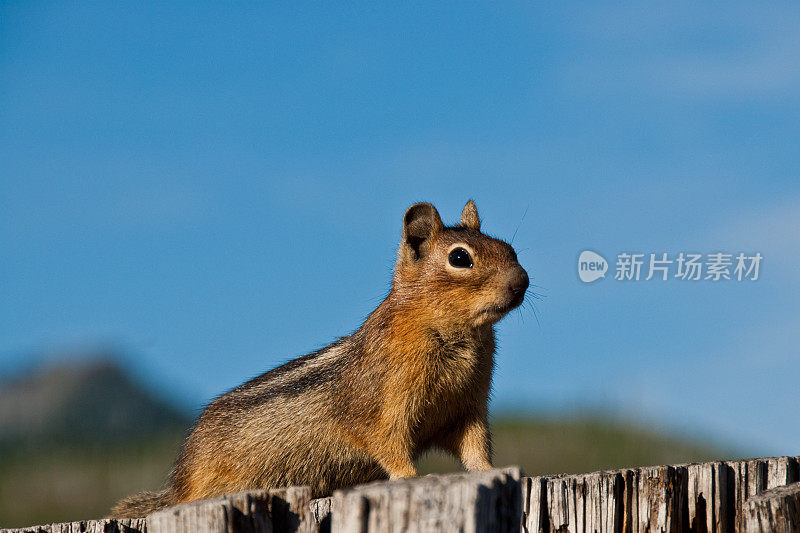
456	275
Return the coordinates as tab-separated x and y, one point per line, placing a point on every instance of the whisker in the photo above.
536	315
520	223
534	294
528	305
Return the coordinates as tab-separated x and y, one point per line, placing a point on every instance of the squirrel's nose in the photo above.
518	282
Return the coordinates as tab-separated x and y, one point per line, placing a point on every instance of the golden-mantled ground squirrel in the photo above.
415	375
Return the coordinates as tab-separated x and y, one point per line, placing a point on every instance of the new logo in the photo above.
591	266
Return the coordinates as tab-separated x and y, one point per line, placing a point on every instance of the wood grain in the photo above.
703	497
255	511
137	525
777	510
482	501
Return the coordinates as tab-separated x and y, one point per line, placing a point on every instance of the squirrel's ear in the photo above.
469	216
420	223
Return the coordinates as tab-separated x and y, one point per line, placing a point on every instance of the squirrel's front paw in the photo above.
405	472
479	465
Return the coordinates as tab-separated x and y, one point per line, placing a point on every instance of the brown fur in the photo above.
415	375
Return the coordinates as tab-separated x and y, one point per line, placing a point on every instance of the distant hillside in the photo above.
81	402
77	436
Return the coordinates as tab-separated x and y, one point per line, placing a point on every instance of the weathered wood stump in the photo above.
87	526
246	512
321	512
485	501
694	497
755	495
776	510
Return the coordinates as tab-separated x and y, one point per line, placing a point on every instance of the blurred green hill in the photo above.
77	436
77	401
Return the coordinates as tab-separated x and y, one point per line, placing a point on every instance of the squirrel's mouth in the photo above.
517	300
498	311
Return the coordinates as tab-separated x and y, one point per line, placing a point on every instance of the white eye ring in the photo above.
460	262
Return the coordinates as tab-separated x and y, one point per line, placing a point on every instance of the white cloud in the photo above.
773	230
689	52
771	68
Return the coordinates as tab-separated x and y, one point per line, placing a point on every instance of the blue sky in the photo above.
217	189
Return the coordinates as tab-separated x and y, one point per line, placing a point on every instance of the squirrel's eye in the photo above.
460	258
